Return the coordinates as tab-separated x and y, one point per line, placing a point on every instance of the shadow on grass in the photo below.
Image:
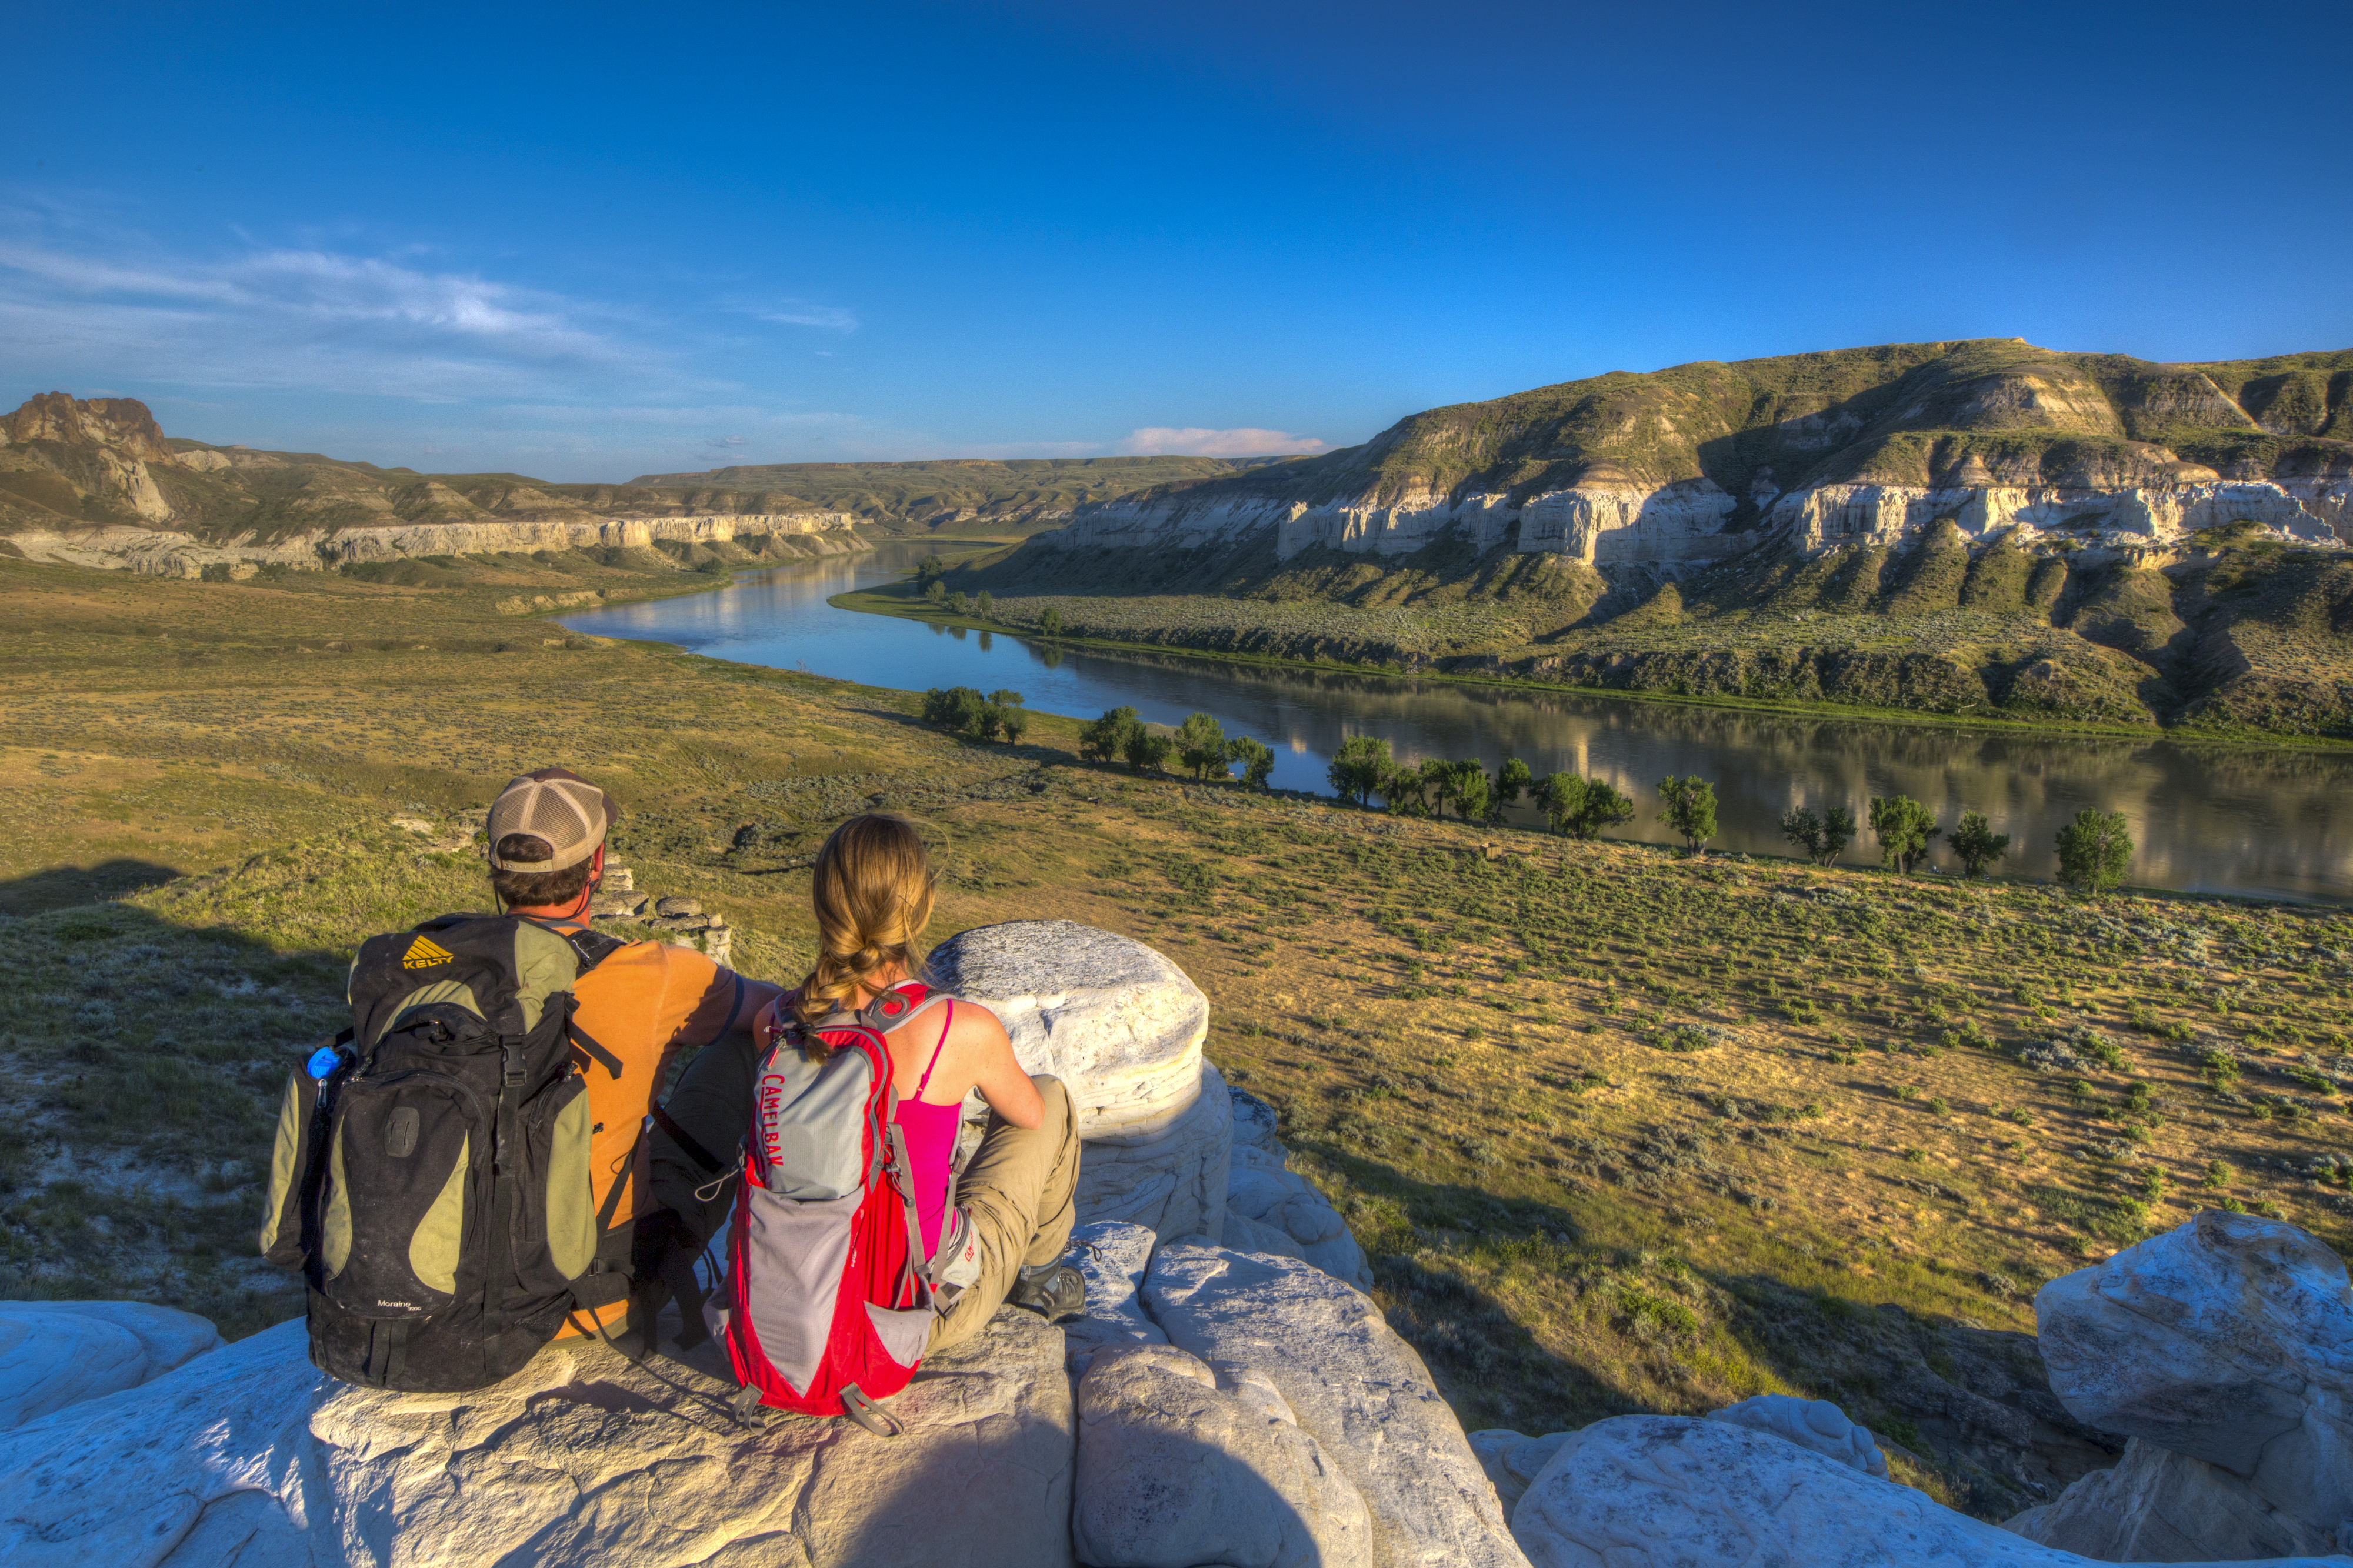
63	887
147	1061
1662	1331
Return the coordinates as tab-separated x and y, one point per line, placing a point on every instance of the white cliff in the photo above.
1682	526
159	553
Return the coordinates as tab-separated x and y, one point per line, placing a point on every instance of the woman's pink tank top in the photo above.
931	1132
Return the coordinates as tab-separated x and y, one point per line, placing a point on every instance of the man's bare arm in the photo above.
757	995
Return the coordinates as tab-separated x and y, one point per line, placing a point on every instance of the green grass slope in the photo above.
965	492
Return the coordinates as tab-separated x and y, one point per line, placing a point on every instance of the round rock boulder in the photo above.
1121	1026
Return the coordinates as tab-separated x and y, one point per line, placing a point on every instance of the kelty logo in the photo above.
424	954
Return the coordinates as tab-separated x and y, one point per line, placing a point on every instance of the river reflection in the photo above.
2274	823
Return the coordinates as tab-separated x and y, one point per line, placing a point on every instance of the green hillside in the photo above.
1988	410
959	492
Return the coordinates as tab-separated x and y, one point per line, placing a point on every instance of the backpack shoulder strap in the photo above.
900	1006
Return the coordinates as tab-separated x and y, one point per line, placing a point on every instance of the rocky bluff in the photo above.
96	483
1232	1398
1679	468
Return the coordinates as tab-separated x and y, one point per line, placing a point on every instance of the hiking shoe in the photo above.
1057	1292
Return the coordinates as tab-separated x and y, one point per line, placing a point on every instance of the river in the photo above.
2274	823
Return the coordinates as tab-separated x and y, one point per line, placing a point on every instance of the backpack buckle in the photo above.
510	1066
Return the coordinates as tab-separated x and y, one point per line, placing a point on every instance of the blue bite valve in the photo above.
323	1062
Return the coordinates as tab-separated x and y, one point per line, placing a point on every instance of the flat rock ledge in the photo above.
249	1457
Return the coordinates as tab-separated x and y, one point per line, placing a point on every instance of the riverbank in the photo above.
892	600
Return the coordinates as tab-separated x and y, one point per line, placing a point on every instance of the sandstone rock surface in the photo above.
56	1353
1175	1470
1121	1026
2158	1506
249	1457
1264	1191
1815	1423
2224	1348
1354	1386
1281	1211
1513	1460
1114	1257
1673	1491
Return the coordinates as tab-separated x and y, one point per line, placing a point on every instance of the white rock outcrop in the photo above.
2224	1349
1609	522
1123	1027
1882	514
56	1354
250	1456
1354	1386
165	552
1513	1460
1178	1464
1673	1491
1115	1256
1283	1212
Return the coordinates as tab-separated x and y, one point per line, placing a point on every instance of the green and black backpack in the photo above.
431	1172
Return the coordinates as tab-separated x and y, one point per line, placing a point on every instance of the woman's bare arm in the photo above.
982	1045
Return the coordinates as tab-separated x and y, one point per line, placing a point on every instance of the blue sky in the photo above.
589	242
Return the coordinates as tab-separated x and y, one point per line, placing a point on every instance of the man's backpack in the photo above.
829	1298
431	1172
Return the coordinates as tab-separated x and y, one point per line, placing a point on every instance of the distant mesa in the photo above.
95	482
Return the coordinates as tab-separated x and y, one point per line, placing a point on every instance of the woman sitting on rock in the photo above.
872	889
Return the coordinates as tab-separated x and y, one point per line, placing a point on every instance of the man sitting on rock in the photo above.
644	1006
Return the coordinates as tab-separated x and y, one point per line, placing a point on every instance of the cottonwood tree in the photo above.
956	708
1473	794
1513	780
1404	792
1691	809
1823	835
1582	807
1358	767
985	604
1437	785
1976	845
1101	739
959	603
1905	829
1145	751
2095	851
1201	744
1051	623
1256	758
1006	715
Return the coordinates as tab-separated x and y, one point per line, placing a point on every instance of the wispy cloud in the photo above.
803	313
1158	441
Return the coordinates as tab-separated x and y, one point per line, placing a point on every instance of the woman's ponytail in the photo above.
872	891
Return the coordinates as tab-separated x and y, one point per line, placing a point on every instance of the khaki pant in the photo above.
1020	1191
1020	1188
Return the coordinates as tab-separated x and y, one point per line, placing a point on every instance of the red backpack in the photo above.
829	1298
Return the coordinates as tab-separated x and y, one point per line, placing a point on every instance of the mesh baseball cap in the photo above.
559	808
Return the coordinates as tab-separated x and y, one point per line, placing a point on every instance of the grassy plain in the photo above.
1620	1131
